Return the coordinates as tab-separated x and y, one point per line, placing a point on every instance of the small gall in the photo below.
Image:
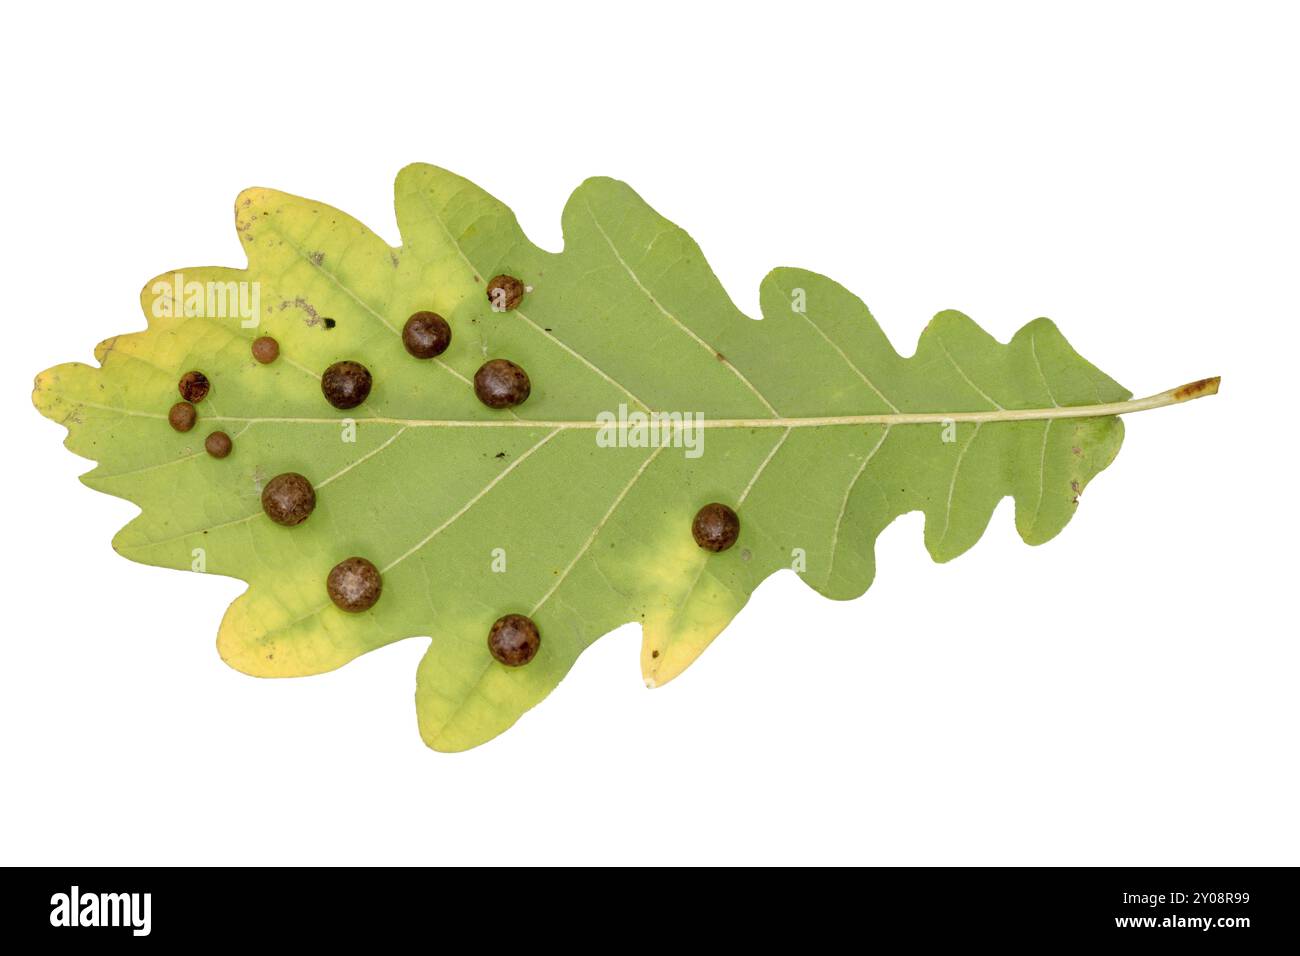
346	384
194	386
504	293
266	349
218	444
716	527
426	334
182	416
288	499
354	585
501	383
514	640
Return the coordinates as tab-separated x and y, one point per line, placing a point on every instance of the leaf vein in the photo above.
967	378
676	321
952	485
844	503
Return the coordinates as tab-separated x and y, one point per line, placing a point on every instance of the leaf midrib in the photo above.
1160	399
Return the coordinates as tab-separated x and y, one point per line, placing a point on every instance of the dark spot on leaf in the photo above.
716	527
354	585
218	444
500	383
194	386
288	499
426	335
329	323
182	416
346	384
504	292
514	640
266	349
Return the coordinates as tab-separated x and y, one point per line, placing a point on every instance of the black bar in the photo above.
1231	907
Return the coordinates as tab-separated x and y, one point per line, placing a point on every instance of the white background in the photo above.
1124	694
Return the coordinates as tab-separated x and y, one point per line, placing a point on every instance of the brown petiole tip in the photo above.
1197	389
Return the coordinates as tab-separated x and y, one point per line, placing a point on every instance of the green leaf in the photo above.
816	432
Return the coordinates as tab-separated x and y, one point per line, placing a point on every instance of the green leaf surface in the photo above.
817	432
